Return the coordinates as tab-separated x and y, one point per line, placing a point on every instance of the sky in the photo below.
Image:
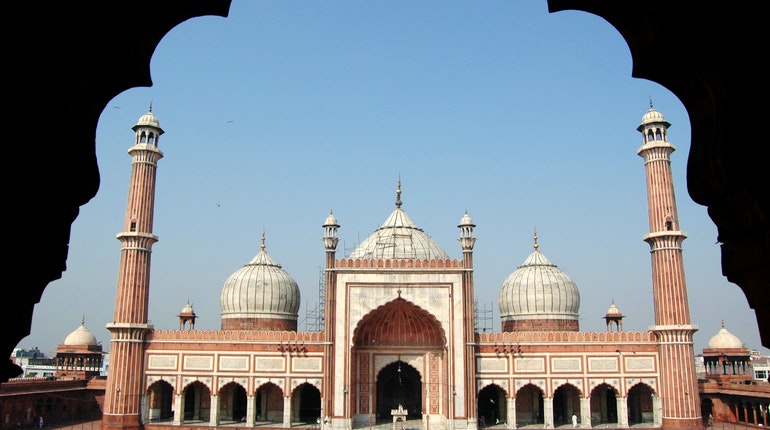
287	109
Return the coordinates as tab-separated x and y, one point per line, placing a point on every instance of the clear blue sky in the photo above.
287	109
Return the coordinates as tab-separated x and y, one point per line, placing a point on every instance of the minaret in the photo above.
330	240
123	395
678	390
467	241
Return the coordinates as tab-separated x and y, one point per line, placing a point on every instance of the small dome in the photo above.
148	119
330	220
398	237
613	311
466	220
539	290
724	339
81	336
260	289
187	310
652	116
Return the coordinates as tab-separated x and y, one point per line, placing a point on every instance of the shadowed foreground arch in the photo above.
106	51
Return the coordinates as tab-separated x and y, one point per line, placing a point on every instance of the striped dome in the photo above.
260	290
539	290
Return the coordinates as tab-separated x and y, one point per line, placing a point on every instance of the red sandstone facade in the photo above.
400	331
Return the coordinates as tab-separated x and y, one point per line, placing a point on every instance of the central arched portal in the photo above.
398	360
399	384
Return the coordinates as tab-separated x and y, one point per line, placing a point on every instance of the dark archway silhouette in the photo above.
640	405
399	384
566	402
604	405
307	401
161	395
529	405
491	406
269	403
197	402
232	402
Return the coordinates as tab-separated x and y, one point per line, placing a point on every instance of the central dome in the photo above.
538	296
399	238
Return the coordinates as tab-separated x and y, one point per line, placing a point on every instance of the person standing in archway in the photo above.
574	421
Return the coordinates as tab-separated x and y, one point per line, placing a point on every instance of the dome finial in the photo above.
83	321
536	245
651	102
150	108
723	323
398	193
263	239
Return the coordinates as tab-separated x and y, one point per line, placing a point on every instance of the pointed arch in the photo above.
269	403
529	405
491	405
161	400
196	402
566	402
232	402
306	403
640	404
399	323
399	384
604	404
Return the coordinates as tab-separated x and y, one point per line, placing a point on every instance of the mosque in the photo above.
399	342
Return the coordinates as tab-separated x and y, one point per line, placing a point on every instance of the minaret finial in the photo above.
398	193
536	245
83	321
651	102
150	109
723	323
263	239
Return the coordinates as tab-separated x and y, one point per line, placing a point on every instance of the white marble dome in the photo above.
724	339
539	290
260	289
399	238
81	336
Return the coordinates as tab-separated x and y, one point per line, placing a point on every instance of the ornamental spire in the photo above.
398	193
